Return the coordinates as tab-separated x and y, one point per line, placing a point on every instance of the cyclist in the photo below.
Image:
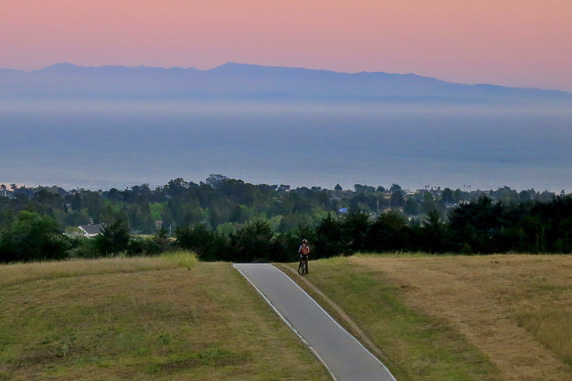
304	251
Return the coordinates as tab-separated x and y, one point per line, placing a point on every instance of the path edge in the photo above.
362	338
287	322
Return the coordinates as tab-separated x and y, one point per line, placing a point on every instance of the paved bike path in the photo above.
343	355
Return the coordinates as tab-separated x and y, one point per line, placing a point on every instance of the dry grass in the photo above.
143	318
413	344
25	272
515	308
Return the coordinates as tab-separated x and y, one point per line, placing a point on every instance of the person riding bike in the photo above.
304	251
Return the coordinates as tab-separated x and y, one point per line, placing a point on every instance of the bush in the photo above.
328	238
113	239
32	237
157	244
83	247
253	243
208	245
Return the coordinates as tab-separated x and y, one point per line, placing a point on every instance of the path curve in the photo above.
344	356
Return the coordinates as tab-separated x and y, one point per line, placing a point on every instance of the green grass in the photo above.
143	318
552	327
415	345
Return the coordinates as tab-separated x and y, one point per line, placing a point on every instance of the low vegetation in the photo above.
166	317
498	317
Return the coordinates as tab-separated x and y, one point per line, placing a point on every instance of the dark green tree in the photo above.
435	233
113	239
448	196
474	225
388	233
328	239
428	203
397	200
208	245
355	228
411	207
32	237
253	243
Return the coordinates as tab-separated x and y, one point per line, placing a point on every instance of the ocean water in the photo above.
100	145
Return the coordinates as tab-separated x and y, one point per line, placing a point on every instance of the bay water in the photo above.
103	144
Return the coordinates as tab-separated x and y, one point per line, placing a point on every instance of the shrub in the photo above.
32	237
113	239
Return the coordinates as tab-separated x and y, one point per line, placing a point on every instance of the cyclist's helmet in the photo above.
304	241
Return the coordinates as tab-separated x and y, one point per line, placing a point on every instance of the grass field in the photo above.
145	318
499	317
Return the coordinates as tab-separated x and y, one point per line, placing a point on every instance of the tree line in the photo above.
228	219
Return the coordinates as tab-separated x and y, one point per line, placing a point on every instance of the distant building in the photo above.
91	230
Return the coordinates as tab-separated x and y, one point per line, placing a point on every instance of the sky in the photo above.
519	43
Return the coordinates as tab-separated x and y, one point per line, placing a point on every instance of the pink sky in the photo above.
523	43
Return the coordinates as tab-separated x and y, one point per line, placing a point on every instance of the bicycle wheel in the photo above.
301	267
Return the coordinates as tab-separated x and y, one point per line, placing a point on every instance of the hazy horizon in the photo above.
443	134
120	144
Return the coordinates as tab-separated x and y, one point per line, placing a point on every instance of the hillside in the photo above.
143	318
497	317
234	81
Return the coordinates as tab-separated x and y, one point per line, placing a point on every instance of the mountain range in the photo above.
233	81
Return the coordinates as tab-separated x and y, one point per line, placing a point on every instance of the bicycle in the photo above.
303	266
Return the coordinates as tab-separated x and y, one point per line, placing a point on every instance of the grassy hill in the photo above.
498	317
142	318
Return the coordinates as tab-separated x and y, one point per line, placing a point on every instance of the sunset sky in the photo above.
521	43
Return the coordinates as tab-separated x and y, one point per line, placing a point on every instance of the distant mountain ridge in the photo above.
233	81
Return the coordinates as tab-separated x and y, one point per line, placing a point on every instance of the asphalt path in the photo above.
340	352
